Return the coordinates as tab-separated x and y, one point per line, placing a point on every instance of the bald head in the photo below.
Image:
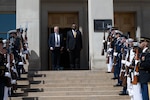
56	29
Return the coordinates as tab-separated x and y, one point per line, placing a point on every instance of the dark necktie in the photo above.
57	40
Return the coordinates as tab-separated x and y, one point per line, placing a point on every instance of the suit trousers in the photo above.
56	58
74	57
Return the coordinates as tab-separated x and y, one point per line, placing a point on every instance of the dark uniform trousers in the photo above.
118	46
144	74
2	85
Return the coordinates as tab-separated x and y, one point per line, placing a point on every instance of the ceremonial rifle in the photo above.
124	82
104	41
136	68
123	65
26	43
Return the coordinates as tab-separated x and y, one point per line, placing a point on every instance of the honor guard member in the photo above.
123	67
17	51
144	69
114	52
129	59
117	55
5	76
2	71
136	86
21	48
110	47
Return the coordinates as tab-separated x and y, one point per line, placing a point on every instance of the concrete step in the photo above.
93	97
100	88
69	73
73	93
79	88
72	81
76	76
69	85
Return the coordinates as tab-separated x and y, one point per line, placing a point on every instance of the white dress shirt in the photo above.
57	40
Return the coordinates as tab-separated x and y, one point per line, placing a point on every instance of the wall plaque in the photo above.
101	25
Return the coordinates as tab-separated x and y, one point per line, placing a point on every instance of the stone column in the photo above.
28	14
98	9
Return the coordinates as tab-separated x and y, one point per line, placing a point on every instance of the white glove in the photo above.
13	81
8	65
136	62
123	61
51	48
108	43
110	49
128	63
103	41
115	53
7	74
136	73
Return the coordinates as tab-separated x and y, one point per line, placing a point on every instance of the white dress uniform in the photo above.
137	93
109	65
6	89
134	90
129	85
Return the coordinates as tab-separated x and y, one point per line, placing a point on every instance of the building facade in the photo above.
42	15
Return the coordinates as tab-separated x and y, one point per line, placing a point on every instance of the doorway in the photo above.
125	21
64	21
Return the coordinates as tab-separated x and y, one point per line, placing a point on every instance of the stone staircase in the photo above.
68	85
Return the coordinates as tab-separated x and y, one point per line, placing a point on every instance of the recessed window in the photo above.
7	22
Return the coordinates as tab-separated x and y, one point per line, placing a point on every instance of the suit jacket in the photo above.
74	43
144	70
52	40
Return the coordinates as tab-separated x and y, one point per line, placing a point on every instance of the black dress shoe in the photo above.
117	85
108	72
123	93
114	78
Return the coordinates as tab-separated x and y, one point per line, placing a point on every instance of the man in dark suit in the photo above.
74	46
144	69
56	46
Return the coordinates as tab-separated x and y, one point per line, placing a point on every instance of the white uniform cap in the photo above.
129	40
12	31
117	31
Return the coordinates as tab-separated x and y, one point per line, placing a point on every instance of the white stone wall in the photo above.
98	9
28	14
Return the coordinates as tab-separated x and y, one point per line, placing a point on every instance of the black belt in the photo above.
2	67
57	47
